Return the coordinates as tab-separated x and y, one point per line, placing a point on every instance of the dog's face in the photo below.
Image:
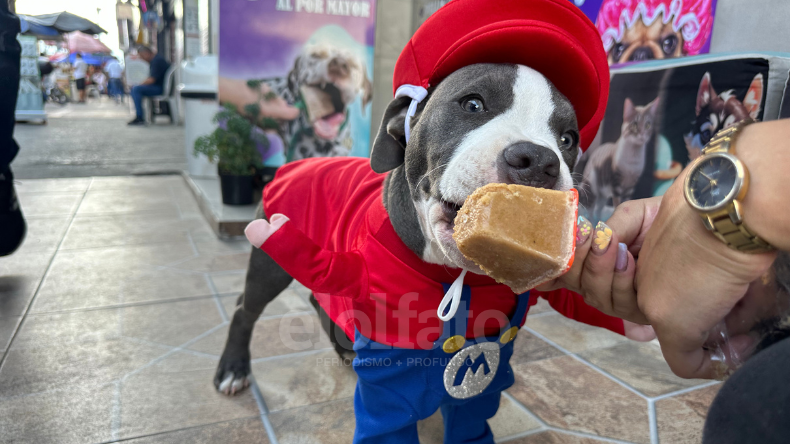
328	79
657	40
715	112
483	124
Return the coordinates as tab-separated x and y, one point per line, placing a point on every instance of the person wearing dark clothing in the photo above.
153	85
12	223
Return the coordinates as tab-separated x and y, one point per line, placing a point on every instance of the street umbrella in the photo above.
80	42
41	31
64	22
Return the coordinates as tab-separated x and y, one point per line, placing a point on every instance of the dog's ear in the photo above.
367	88
754	97
389	149
705	93
293	75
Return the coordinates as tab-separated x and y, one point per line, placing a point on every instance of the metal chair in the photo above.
169	95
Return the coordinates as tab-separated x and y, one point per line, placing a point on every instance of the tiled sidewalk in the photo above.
116	309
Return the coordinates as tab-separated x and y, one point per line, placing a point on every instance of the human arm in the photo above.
688	281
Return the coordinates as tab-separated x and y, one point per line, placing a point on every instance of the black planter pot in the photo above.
236	190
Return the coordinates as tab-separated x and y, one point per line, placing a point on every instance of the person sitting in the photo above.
153	85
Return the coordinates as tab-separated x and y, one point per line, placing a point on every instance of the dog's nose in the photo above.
526	163
642	54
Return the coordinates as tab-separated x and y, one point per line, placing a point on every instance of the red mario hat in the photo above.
552	37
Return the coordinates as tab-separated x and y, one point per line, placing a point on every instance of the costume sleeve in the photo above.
321	270
572	305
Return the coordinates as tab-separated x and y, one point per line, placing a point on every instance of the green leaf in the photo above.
253	110
254	84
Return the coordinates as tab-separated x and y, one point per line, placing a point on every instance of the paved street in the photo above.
94	140
114	312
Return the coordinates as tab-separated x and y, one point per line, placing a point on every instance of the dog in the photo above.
527	135
637	30
324	79
715	112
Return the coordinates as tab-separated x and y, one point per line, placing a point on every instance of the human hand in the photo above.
688	282
238	93
603	269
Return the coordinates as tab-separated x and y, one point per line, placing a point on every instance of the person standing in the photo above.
12	223
80	72
114	72
153	85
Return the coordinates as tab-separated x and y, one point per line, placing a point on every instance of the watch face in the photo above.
713	182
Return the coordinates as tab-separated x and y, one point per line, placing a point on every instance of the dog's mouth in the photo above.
325	109
450	211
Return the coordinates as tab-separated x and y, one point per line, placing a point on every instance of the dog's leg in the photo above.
343	346
265	280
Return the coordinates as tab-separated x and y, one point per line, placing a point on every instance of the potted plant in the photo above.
235	145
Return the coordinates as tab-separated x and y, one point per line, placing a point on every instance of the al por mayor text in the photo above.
352	8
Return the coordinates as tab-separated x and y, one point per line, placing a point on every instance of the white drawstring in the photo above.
454	295
417	93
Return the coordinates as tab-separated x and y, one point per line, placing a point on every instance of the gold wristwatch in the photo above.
716	183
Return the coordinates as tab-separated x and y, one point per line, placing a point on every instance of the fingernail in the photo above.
622	258
603	236
583	230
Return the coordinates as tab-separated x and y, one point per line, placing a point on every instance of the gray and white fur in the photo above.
486	123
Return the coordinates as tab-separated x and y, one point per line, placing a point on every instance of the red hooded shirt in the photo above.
340	244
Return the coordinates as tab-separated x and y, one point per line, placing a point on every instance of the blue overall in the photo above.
396	387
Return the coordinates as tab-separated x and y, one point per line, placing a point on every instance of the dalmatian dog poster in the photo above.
301	70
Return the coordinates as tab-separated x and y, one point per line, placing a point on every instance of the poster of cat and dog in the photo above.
657	122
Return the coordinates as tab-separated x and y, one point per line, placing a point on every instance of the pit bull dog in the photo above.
373	238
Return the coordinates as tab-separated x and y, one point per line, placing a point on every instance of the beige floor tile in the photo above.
60	365
7	326
49	204
161	402
555	438
44	233
325	423
75	415
25	264
528	348
273	337
290	382
179	362
140	182
640	365
681	418
208	243
109	276
287	302
541	307
59	329
171	323
229	282
218	262
571	335
15	293
52	185
127	229
238	431
510	420
565	393
132	200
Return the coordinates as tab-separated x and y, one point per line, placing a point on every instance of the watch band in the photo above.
727	224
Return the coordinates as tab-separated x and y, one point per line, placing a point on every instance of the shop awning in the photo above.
64	22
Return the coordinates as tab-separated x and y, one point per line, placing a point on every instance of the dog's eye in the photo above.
617	51
567	140
473	105
669	44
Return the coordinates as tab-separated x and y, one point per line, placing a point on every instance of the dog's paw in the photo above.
232	376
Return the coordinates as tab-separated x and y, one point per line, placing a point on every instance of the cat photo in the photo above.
611	171
715	112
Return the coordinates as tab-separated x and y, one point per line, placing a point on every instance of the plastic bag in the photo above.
759	320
